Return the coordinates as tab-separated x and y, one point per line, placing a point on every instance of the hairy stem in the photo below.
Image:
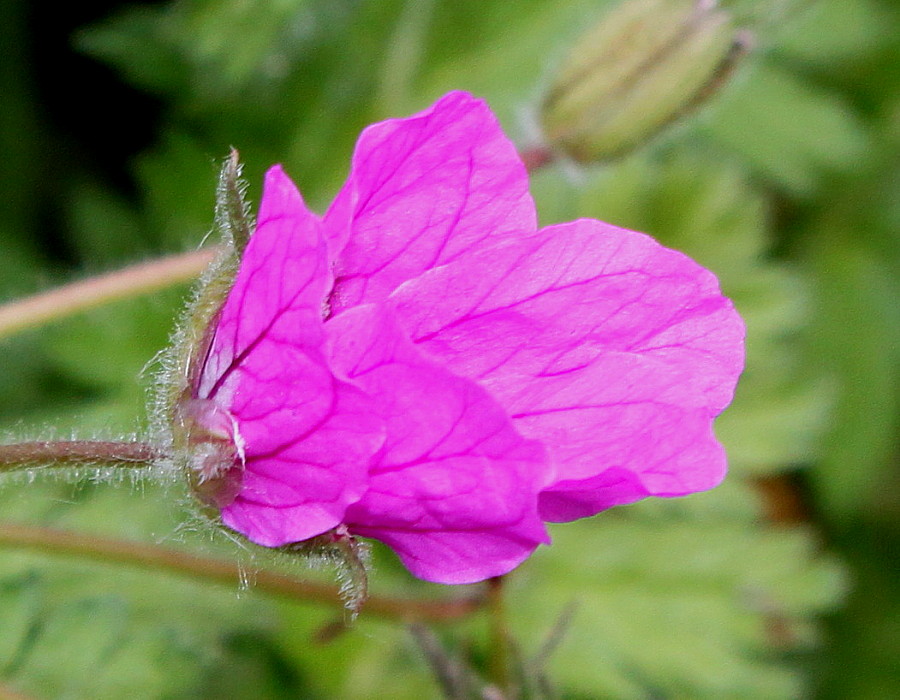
76	452
86	294
156	558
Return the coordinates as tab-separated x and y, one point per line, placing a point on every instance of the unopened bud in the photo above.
204	438
232	210
645	64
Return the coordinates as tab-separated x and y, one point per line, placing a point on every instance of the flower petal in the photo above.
647	450
276	299
608	347
619	433
302	487
454	488
266	369
421	191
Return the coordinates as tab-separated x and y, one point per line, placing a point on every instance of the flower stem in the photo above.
500	640
142	278
86	294
76	452
155	558
537	157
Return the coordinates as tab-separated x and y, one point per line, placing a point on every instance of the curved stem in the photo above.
95	291
76	452
156	558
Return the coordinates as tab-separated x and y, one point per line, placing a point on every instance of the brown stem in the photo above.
96	291
537	157
155	558
76	452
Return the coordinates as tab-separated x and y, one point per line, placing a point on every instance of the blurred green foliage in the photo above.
784	185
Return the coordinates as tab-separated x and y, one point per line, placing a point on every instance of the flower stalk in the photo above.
500	666
76	453
155	558
155	275
73	298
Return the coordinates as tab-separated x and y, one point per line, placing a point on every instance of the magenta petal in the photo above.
276	300
301	487
653	451
421	191
454	488
621	442
305	437
601	343
456	557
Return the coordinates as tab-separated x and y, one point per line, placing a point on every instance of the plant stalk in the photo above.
75	297
142	278
156	558
76	453
500	662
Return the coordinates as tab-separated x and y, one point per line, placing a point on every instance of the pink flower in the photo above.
424	366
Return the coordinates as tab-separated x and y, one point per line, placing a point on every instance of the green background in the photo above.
781	583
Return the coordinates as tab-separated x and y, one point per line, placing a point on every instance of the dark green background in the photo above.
779	584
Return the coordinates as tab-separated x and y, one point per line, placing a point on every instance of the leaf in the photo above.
787	129
856	339
104	228
136	42
21	596
829	33
371	661
678	603
21	139
515	47
88	630
177	180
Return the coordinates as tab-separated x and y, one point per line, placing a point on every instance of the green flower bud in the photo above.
200	436
645	64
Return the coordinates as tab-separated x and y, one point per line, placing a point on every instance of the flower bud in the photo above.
204	438
644	65
232	210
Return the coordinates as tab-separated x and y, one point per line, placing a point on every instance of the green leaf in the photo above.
21	598
856	339
829	33
109	353
138	42
21	137
89	630
786	128
178	183
514	45
103	228
677	603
